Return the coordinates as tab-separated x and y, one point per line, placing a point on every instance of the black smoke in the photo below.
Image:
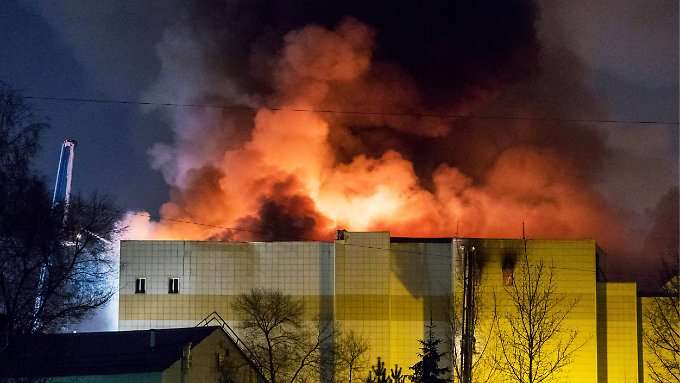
475	59
284	215
450	48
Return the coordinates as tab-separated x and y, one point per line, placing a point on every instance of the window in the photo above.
173	286
221	355
508	277
140	286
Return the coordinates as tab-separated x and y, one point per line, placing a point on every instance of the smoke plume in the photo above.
331	135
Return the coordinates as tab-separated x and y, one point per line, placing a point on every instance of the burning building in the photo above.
302	120
324	120
386	289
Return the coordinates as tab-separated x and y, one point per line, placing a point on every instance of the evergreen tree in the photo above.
396	376
427	370
378	374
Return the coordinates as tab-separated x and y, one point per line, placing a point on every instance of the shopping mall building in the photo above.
387	289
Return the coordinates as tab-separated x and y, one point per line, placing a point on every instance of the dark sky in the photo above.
79	49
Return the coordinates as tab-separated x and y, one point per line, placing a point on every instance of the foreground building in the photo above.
197	354
387	289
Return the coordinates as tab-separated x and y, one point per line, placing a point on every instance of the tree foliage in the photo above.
378	374
427	369
36	239
350	356
662	334
274	330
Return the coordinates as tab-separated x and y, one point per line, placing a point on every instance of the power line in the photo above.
414	114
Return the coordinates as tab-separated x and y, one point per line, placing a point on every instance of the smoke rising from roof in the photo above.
277	174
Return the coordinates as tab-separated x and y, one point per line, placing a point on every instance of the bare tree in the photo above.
662	334
351	355
53	270
534	346
275	332
317	353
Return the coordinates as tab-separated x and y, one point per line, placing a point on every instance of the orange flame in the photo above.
289	158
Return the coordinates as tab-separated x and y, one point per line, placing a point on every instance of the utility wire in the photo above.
414	114
416	252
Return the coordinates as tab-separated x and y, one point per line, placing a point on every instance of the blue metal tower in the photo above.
62	186
61	196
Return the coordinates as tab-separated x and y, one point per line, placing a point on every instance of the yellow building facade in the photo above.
618	336
387	289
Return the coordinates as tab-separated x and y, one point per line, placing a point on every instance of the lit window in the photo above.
173	286
140	286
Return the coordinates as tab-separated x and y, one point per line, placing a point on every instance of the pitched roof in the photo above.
97	353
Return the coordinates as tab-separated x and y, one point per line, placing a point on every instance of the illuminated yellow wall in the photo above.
362	289
420	289
618	332
574	271
385	289
212	274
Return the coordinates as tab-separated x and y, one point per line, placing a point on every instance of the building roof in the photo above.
97	353
421	239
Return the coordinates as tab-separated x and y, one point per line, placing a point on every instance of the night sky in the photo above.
624	54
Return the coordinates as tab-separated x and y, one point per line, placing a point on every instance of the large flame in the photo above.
286	180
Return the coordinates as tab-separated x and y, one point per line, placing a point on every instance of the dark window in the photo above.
173	286
140	286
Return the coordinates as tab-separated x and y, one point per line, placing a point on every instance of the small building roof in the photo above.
97	353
